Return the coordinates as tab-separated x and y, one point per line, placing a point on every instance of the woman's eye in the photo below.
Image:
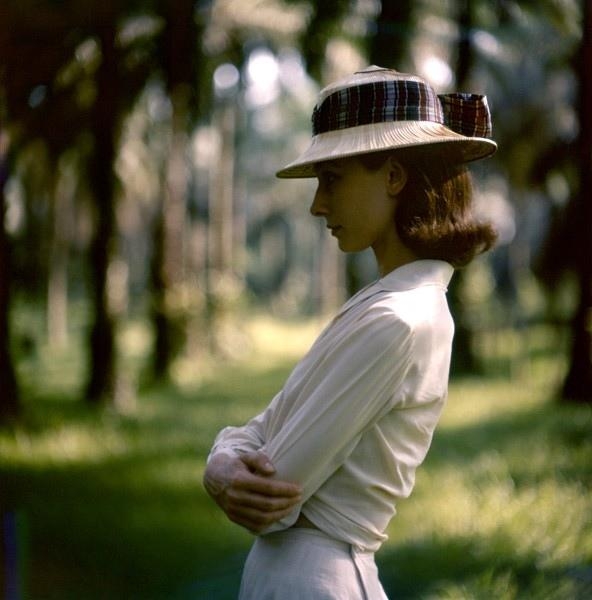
328	178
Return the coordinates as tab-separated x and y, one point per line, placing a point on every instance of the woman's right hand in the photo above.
244	488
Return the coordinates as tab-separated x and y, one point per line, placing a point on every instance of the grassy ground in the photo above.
109	504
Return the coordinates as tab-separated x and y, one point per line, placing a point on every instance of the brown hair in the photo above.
434	215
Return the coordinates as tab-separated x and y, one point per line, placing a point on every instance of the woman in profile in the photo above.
317	475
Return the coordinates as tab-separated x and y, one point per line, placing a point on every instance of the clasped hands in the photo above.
244	488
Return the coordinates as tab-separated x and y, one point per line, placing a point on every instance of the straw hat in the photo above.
379	109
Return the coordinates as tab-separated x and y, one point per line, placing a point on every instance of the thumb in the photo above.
258	462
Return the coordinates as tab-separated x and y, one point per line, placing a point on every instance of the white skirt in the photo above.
306	564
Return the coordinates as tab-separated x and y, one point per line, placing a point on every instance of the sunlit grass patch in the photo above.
503	499
65	444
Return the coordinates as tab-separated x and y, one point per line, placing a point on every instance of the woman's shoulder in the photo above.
410	308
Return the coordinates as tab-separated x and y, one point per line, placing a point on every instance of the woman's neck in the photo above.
392	255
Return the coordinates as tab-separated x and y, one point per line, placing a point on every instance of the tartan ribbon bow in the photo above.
467	114
402	100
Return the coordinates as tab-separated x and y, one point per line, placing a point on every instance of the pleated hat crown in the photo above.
380	109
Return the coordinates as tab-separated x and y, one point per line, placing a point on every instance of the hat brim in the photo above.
377	137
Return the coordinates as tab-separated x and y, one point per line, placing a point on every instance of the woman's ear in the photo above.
396	176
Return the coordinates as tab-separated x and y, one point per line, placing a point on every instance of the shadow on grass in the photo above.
116	530
113	504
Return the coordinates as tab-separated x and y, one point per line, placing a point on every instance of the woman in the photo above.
317	475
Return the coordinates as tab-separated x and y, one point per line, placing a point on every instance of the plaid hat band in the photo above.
379	109
402	100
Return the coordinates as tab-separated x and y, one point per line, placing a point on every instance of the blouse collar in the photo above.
418	273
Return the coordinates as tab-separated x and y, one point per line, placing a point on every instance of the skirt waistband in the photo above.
319	536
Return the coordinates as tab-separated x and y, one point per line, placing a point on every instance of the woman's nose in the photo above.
318	208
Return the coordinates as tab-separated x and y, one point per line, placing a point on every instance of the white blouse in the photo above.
356	416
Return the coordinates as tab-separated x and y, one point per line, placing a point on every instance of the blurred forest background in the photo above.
139	141
142	228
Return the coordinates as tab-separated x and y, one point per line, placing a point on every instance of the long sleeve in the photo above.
249	437
333	397
343	385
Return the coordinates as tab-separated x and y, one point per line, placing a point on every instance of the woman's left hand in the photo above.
244	488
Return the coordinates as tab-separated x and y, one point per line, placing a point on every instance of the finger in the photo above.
265	504
266	486
254	520
258	462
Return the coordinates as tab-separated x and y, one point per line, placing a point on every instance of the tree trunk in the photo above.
394	27
10	406
577	386
102	381
57	272
168	261
169	318
221	279
465	55
221	238
464	359
162	351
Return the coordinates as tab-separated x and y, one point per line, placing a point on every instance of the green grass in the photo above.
110	504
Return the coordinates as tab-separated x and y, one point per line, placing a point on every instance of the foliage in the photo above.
110	504
64	83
